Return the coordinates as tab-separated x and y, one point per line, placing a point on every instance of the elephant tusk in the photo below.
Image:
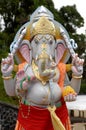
51	58
53	64
36	57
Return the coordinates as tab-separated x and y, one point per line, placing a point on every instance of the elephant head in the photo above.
43	52
46	52
43	47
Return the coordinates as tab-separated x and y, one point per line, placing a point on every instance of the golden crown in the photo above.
43	26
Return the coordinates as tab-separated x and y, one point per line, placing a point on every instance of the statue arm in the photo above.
9	85
72	87
7	66
77	71
75	83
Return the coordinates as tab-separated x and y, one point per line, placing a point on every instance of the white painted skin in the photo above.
36	91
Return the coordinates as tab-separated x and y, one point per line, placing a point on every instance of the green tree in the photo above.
15	13
70	18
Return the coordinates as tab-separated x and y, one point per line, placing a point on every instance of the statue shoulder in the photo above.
21	66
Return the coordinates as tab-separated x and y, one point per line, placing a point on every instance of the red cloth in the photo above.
39	118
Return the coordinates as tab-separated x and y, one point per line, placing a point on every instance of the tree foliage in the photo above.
15	13
70	18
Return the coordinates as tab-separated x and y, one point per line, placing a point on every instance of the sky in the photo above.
80	6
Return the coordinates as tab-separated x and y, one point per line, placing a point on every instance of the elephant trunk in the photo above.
44	61
44	67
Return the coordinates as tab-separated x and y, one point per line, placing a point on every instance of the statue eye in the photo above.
36	41
50	42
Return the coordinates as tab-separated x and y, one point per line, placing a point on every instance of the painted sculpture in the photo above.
42	48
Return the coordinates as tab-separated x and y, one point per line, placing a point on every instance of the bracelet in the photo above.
7	77
22	82
77	77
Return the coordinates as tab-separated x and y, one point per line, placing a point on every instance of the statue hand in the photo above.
69	94
23	80
7	65
54	72
77	65
20	76
70	97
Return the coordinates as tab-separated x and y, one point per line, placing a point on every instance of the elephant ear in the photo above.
24	52
61	52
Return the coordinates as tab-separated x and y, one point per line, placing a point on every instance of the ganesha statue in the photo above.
41	49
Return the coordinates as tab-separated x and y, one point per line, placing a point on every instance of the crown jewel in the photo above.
43	26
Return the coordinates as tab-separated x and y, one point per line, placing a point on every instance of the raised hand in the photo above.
20	75
77	65
7	65
23	80
21	83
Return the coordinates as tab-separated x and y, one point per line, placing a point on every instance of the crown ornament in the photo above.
43	26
